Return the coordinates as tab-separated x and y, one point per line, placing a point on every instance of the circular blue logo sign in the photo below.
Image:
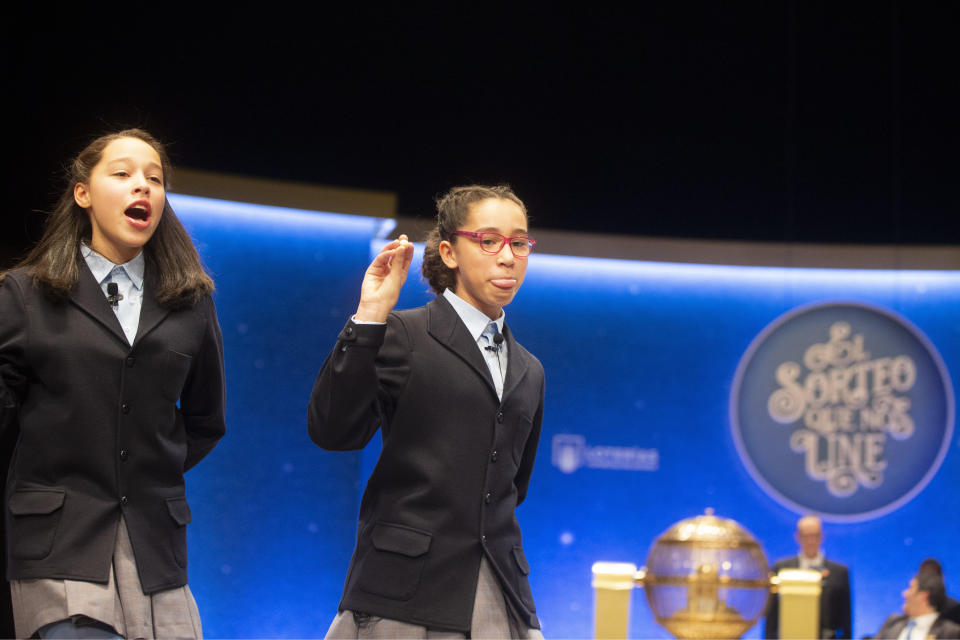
842	409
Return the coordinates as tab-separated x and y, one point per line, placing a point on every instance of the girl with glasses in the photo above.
459	404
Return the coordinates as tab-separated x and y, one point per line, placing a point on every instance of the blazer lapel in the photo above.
151	311
899	625
88	295
445	326
516	363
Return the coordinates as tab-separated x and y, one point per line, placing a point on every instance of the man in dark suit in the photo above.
923	602
835	616
951	608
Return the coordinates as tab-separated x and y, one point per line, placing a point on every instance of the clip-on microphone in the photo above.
114	296
495	347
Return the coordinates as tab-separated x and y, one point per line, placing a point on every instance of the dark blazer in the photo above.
951	610
100	432
455	463
835	606
942	628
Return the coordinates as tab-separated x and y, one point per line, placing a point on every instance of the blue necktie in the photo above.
909	629
491	353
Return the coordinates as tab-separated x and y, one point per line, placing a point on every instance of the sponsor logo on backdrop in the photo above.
571	452
842	409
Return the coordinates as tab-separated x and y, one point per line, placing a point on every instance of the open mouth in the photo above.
138	212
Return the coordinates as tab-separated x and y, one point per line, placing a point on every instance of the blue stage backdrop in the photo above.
759	392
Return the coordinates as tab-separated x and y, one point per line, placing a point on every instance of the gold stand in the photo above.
799	604
612	584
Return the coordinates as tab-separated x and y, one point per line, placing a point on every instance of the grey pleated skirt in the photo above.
493	617
119	603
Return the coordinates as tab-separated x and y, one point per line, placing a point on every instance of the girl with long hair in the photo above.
111	373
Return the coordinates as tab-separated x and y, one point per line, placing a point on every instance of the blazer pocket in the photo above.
175	371
35	517
393	566
180	514
523	584
522	426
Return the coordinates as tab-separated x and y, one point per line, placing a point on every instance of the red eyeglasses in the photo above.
492	243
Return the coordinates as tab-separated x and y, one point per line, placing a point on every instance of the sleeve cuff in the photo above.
362	334
354	320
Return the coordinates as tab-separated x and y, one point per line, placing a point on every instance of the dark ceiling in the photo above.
792	121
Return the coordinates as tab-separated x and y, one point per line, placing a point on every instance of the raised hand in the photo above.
383	280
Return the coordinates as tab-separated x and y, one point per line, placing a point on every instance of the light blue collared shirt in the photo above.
477	322
129	279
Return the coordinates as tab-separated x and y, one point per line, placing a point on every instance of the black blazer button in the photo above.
125	408
348	331
488	498
124	454
483	538
494	456
131	360
123	500
499	416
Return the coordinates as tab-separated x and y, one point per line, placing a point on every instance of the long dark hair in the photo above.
453	208
172	261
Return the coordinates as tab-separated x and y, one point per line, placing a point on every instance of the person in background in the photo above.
923	602
835	602
951	608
